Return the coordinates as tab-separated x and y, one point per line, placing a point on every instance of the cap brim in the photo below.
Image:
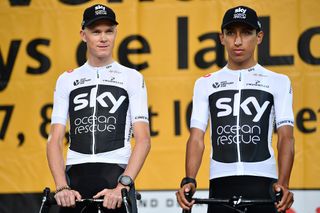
99	18
239	21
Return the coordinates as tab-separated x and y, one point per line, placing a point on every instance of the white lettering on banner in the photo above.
82	102
222	103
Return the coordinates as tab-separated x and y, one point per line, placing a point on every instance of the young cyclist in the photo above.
105	102
242	102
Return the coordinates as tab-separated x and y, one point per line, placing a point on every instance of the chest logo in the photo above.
81	101
226	108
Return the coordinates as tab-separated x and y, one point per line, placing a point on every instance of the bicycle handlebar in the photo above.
48	201
234	202
237	201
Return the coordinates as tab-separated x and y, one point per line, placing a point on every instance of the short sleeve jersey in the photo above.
102	104
242	107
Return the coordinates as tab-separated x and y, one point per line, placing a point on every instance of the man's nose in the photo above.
238	40
103	37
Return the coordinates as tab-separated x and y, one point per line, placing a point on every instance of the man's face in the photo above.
100	38
240	41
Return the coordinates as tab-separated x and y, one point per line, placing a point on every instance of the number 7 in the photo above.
8	112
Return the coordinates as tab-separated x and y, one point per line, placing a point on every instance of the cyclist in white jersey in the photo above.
105	103
242	101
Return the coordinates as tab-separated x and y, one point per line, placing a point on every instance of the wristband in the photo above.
187	180
62	188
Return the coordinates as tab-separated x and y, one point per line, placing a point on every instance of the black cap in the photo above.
97	12
241	14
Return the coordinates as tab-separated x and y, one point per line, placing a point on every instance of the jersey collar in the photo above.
251	69
108	66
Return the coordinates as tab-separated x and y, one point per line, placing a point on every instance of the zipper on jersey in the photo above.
238	116
94	114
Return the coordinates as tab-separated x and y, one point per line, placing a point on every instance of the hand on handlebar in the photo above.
67	198
184	196
112	197
287	197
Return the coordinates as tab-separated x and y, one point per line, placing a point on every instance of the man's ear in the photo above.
260	37
83	36
221	36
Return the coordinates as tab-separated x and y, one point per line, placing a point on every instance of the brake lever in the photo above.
278	196
126	201
188	196
45	203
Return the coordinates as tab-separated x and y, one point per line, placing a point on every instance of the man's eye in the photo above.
110	31
247	32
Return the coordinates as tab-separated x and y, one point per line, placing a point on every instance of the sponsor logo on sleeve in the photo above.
290	122
143	83
141	117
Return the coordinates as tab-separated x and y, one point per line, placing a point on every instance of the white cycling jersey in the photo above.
242	106
102	104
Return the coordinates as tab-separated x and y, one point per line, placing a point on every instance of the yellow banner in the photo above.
172	43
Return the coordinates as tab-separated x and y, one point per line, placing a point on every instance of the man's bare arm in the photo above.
194	153
56	163
285	148
55	154
141	149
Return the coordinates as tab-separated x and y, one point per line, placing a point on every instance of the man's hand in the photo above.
112	197
287	197
67	198
181	198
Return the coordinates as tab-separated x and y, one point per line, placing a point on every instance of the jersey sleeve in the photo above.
138	101
200	107
283	104
60	103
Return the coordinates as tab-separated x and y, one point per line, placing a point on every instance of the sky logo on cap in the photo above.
99	7
240	13
100	10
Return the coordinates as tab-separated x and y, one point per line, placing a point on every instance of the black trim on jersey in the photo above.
112	104
254	115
